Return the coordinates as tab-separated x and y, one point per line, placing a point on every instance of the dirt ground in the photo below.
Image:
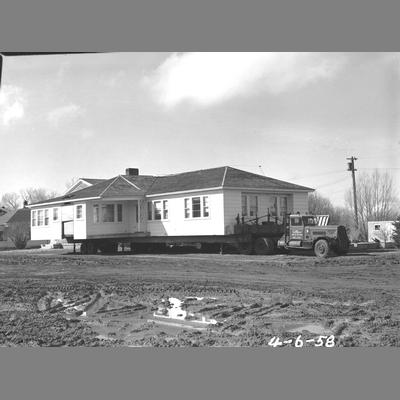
54	298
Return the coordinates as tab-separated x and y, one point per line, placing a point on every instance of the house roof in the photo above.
135	185
4	218
21	215
225	177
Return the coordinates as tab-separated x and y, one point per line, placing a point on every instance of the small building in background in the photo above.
380	231
4	218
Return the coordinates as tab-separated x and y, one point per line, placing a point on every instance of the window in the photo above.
157	210
196	208
79	212
296	221
40	217
46	216
107	213
119	212
206	212
96	213
377	227
283	206
55	214
274	208
187	208
244	205
165	209
33	218
253	200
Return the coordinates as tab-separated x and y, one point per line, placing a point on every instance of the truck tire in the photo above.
343	241
321	248
264	246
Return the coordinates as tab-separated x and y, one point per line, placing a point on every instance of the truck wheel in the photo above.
321	248
343	241
264	246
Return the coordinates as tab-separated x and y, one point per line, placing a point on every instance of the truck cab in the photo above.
303	232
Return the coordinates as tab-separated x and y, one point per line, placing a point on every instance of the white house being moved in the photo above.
199	203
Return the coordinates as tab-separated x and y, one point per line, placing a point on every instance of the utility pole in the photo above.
352	169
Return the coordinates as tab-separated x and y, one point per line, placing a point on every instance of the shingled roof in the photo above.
136	185
225	177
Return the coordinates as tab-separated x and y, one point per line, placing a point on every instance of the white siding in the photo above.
46	232
233	205
127	226
178	225
384	233
80	224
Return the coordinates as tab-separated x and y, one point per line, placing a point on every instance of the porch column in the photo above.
138	206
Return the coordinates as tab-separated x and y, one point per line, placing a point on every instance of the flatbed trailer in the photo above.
295	232
245	238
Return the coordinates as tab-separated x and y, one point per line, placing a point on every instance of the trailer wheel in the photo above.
84	248
264	246
321	248
106	248
91	248
245	248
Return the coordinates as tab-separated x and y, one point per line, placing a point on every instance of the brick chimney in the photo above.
132	171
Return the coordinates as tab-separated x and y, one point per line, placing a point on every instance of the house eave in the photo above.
62	201
184	191
272	190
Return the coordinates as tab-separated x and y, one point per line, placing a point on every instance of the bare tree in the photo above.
376	199
11	201
34	195
320	205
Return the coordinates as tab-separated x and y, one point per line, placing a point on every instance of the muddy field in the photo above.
53	298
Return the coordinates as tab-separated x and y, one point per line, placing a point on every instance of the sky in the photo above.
290	116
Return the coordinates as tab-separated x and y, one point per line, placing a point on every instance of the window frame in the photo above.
46	217
40	219
77	215
102	214
56	213
162	211
189	206
96	214
248	208
120	213
34	218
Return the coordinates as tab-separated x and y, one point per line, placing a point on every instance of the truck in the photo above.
294	231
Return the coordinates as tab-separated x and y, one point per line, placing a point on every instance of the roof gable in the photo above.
4	218
120	186
21	215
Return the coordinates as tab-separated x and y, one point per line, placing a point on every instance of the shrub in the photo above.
19	234
396	232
